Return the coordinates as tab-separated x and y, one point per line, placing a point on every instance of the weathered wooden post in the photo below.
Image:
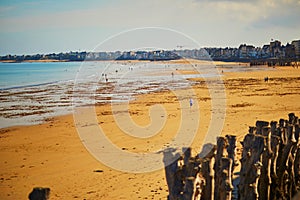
187	155
231	150
265	177
291	118
188	188
198	187
245	161
297	157
275	144
221	152
284	168
281	123
191	169
208	154
252	129
297	131
253	146
39	193
225	189
207	171
260	125
172	173
297	168
292	158
274	129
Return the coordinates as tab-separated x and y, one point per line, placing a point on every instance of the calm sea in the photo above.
13	75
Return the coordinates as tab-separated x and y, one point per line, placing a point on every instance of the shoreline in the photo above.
38	116
41	104
219	65
52	154
137	96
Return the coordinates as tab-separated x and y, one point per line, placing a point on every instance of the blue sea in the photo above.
13	75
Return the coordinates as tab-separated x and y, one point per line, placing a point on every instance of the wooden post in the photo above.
207	171
297	168
199	187
281	123
231	150
297	131
191	169
187	154
291	118
225	179
284	168
260	125
275	144
208	153
188	188
39	193
253	146
252	129
274	128
265	177
221	152
289	132
173	175
297	156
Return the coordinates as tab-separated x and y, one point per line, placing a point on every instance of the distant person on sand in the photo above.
266	79
191	103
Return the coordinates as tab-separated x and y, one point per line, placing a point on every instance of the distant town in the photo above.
274	52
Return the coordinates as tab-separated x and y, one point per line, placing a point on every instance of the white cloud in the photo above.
136	13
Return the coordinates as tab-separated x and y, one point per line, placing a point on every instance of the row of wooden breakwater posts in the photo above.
269	166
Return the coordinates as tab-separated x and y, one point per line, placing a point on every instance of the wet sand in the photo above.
52	154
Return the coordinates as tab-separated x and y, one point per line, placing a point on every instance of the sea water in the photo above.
14	75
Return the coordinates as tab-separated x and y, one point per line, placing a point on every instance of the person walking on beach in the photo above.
191	103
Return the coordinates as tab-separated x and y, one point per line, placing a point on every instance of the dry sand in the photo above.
52	155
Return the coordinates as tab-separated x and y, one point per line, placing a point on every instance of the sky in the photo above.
47	26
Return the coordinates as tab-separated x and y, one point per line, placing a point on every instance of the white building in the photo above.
296	44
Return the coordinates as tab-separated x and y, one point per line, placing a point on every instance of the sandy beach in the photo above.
52	154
